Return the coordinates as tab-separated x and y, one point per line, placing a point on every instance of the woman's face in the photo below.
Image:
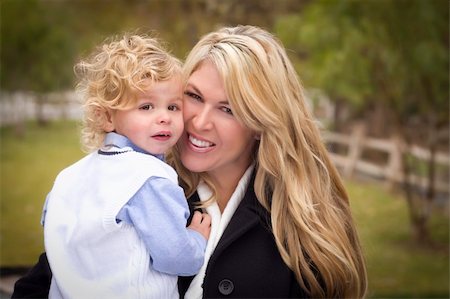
214	141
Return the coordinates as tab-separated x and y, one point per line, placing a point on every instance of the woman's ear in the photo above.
105	116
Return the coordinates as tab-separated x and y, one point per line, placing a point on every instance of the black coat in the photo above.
246	262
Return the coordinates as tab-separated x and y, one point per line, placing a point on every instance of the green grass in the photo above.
29	165
397	267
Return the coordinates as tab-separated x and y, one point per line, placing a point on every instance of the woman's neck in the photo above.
225	184
223	197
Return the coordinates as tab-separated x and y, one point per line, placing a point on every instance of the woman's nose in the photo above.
202	119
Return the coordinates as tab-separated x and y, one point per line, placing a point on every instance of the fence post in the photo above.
394	167
355	149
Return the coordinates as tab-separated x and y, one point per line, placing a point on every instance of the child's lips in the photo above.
162	136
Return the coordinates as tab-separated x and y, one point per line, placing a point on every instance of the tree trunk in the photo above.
420	230
337	125
432	147
19	129
40	117
417	206
378	123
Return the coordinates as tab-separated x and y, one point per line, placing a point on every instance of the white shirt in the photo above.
218	224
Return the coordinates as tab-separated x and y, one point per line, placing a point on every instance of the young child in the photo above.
115	221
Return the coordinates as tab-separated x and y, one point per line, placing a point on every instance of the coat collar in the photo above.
248	214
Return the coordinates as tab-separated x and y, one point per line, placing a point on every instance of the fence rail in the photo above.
22	106
18	107
353	160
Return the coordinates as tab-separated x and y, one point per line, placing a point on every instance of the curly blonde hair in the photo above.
113	74
295	178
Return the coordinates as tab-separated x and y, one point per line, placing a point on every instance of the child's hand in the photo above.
201	222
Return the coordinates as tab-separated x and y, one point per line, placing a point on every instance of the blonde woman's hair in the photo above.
295	179
111	77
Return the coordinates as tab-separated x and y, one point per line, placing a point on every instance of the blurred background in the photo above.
377	79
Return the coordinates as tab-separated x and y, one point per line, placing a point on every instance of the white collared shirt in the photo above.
219	222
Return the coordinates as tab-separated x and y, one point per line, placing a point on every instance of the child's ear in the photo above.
107	119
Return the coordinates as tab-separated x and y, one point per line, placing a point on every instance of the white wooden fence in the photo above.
21	106
391	172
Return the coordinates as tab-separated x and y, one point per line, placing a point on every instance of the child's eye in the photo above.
193	95
174	108
146	107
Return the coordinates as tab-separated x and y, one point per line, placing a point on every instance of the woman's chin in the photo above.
193	165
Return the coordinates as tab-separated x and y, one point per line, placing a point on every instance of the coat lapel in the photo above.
248	214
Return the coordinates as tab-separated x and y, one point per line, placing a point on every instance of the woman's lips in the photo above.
199	145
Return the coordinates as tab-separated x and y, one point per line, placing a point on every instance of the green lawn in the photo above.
29	166
397	267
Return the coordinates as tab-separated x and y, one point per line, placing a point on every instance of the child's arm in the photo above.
201	222
159	212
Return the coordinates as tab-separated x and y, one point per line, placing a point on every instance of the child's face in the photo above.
156	121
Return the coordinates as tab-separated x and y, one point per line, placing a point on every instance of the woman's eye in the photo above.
227	110
173	108
193	95
146	107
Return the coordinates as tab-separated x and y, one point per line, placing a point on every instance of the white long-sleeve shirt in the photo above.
219	222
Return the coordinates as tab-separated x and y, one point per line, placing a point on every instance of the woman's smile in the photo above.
197	142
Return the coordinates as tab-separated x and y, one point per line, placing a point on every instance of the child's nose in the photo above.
164	117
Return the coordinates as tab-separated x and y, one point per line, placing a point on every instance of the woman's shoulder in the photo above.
36	283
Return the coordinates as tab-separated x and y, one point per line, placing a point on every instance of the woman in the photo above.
252	156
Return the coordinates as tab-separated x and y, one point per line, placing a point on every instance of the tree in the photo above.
389	56
37	54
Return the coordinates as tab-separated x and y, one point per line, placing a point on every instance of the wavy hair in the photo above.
295	179
113	74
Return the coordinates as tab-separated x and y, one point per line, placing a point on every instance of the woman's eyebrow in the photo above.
196	90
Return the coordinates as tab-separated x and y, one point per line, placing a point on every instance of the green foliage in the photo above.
41	40
329	48
393	51
37	54
389	60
